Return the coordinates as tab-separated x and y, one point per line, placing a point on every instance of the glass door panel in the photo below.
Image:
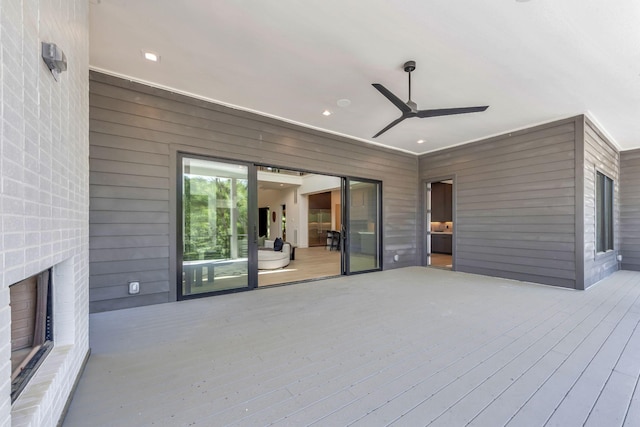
428	207
214	227
363	226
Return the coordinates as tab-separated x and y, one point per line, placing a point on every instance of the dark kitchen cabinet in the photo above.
441	202
442	244
448	244
437	244
448	202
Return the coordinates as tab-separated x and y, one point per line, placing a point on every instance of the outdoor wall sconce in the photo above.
54	57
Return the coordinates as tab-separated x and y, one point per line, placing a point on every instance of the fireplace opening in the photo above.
31	328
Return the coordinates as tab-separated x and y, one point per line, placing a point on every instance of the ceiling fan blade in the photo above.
390	125
391	97
450	111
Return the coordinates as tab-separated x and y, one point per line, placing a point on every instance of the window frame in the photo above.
604	212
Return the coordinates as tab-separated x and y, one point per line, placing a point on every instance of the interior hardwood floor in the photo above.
310	263
441	261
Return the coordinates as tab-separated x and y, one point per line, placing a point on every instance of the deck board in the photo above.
412	346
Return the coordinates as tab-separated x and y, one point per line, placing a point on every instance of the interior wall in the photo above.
629	235
135	134
599	155
292	222
515	203
44	202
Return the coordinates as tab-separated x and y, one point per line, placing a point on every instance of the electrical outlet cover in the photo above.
134	288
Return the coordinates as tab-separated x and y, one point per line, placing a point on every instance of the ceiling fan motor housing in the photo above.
409	66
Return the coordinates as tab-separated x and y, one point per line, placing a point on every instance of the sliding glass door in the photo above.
218	218
363	211
215	227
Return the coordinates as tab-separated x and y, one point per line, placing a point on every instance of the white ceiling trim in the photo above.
588	114
604	131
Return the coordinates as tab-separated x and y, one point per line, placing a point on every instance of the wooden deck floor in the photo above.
409	347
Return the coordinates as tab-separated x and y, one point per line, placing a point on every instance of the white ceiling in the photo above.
531	61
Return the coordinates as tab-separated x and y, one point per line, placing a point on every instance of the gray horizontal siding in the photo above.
135	193
128	266
204	126
515	203
129	221
127	301
98	295
106	281
599	155
111	229
136	131
630	209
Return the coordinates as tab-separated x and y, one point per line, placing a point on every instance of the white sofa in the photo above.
268	259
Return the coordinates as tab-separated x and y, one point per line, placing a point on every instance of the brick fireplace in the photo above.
44	203
31	327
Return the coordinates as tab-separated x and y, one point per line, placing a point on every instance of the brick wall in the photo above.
44	191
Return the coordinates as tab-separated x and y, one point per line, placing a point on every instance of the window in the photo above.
604	212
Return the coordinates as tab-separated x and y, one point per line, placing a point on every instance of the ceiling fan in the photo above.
410	109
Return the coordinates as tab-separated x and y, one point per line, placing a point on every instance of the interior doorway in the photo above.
263	221
440	196
284	222
302	206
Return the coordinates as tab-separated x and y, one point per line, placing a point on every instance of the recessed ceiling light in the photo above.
281	185
326	113
151	56
344	102
420	141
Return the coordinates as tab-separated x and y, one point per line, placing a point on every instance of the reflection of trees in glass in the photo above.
207	208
